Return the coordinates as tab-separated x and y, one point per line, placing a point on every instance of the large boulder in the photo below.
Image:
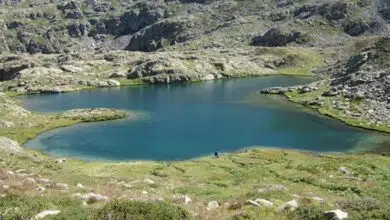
9	146
10	67
356	28
141	16
276	37
336	11
77	30
74	14
158	35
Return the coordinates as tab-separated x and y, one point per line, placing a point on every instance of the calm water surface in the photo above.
178	122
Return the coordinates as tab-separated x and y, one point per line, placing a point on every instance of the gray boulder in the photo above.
158	35
276	37
336	11
74	14
356	28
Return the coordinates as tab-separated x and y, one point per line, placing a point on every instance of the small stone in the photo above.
212	205
264	202
45	213
43	180
187	200
318	199
61	160
79	185
112	82
344	170
40	189
63	186
29	181
11	173
5	187
291	205
144	192
21	171
336	215
253	203
149	181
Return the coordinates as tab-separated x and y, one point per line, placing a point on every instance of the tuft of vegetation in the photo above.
138	210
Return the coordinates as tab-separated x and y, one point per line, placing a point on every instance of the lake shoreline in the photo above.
300	111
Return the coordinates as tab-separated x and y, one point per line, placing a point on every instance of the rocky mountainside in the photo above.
357	89
52	46
43	26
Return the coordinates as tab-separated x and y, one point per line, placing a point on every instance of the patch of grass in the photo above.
25	207
141	210
22	135
131	82
231	178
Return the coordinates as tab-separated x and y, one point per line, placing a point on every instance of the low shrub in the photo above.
138	210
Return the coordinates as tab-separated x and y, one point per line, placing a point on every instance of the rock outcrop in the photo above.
277	37
96	26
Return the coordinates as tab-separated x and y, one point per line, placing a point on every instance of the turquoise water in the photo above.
176	122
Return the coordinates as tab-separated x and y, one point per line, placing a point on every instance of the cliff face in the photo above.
87	26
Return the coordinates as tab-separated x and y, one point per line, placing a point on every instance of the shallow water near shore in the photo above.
178	122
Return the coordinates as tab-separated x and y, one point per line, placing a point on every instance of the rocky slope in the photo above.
56	46
90	25
60	73
358	90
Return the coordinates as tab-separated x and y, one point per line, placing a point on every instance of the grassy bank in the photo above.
328	110
42	123
315	181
